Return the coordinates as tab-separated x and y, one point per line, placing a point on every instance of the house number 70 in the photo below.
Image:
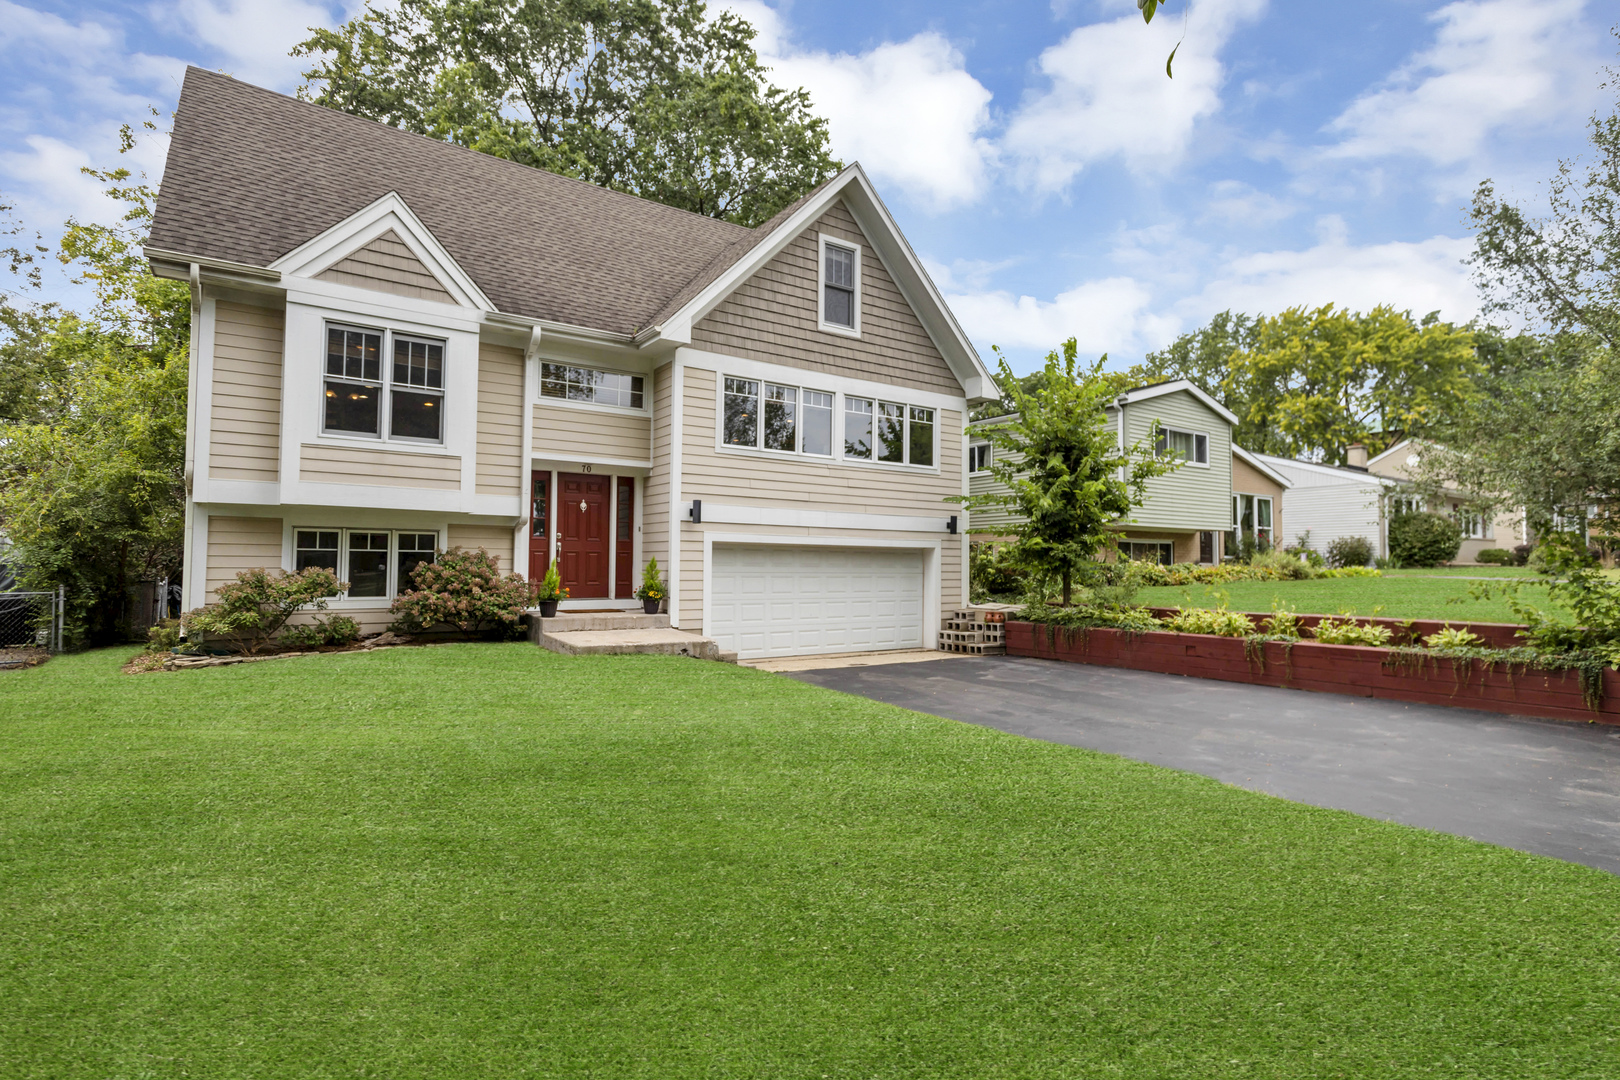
584	468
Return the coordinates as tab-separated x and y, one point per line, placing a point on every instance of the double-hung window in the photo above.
570	383
377	563
1189	446
978	457
840	287
1251	516
888	431
775	416
364	396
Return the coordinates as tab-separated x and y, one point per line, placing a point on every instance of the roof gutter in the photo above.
180	266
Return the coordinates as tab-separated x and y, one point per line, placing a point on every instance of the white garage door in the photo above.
767	600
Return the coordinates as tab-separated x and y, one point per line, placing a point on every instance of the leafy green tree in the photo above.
1074	480
92	447
652	97
1544	433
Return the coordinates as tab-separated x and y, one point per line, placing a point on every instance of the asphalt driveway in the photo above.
1538	785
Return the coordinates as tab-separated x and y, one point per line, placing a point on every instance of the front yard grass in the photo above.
1394	597
493	861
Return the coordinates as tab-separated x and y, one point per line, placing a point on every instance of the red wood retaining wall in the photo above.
1492	635
1355	670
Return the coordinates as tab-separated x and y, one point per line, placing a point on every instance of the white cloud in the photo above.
253	36
49	170
1423	276
908	111
1494	64
1110	314
1237	203
1108	96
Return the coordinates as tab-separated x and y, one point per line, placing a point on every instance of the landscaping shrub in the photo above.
1350	551
463	589
336	630
164	637
1561	552
253	609
1423	539
992	576
1217	621
1350	632
1495	557
1287	567
1521	554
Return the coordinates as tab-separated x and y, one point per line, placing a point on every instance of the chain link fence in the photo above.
31	618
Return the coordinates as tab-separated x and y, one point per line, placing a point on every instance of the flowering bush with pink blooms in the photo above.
464	589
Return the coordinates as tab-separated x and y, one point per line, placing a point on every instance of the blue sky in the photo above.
1054	180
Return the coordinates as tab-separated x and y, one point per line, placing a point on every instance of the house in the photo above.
1480	531
1358	498
403	346
1193	514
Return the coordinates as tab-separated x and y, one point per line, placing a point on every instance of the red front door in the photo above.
582	525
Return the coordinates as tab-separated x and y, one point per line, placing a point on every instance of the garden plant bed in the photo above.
1404	631
1354	670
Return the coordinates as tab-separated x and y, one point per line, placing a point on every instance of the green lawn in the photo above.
496	862
1406	597
1465	572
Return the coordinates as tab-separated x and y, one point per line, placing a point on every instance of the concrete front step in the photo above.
590	620
662	641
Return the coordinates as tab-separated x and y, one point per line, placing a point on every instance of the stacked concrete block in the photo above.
980	631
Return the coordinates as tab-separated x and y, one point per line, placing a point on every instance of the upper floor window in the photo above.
978	457
364	396
572	383
888	431
840	287
1190	446
773	416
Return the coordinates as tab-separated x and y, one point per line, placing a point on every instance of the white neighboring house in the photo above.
1333	501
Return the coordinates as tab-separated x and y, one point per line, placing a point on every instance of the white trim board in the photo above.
732	514
1253	461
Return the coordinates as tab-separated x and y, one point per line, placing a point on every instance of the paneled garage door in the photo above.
768	600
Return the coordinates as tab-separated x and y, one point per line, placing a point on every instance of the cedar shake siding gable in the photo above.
387	264
772	316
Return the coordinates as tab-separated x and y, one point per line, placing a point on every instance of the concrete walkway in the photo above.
1537	785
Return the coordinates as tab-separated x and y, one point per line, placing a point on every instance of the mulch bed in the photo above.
23	656
150	662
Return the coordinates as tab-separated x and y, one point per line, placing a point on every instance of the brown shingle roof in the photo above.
252	174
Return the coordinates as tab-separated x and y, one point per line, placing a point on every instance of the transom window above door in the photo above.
363	396
567	382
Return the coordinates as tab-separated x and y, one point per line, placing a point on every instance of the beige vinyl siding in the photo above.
495	539
655	490
773	317
240	543
500	420
1192	497
800	482
590	434
387	265
321	463
244	438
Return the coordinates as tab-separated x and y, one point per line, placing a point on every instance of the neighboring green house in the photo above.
1188	513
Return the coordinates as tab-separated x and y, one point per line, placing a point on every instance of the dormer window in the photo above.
840	287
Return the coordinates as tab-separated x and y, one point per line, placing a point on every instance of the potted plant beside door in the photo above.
550	592
652	591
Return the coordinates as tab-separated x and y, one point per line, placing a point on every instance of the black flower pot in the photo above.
650	606
548	608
